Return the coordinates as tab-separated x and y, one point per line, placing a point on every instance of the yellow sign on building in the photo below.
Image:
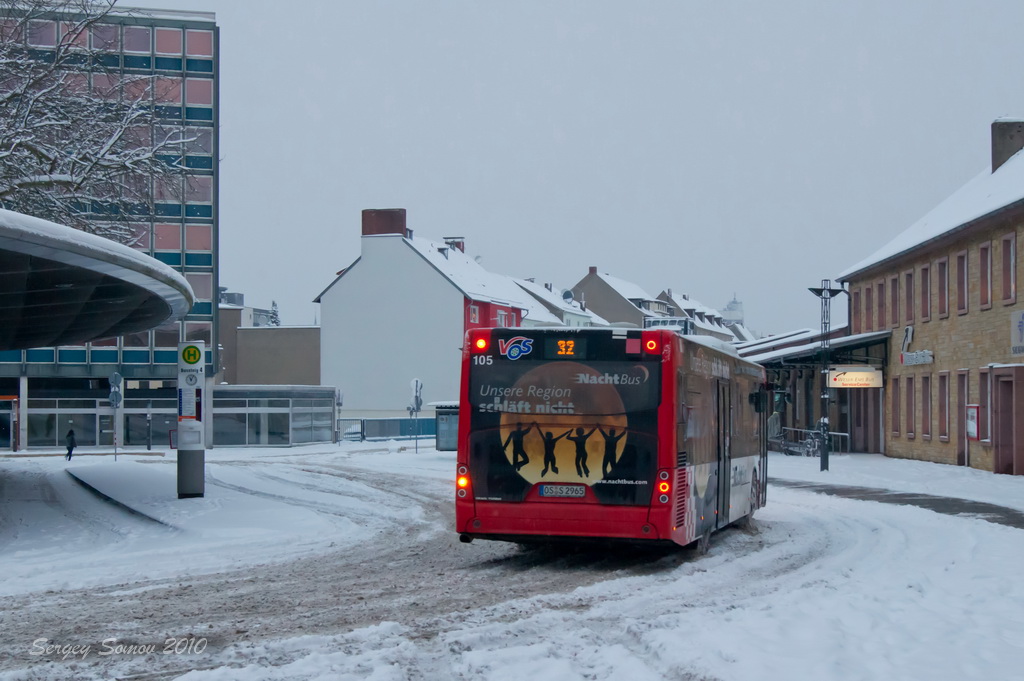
854	377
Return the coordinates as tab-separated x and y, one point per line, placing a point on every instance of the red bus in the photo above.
607	433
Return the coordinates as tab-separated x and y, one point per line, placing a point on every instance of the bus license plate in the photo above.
575	491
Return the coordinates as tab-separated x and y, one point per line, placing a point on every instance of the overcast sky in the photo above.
714	148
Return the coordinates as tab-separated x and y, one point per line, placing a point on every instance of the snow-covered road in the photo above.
380	588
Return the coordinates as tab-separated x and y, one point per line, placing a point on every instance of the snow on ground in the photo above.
825	588
249	513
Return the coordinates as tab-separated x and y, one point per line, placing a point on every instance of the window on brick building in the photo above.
926	407
908	296
894	409
881	305
909	388
943	405
1009	268
894	300
926	293
942	287
856	311
962	283
869	308
985	275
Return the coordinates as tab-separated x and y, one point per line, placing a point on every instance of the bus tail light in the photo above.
462	482
479	342
664	486
651	343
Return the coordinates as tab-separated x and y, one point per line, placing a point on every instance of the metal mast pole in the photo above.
826	293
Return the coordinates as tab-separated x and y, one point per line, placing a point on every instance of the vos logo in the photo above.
514	348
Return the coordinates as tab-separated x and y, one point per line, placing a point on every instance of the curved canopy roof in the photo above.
62	286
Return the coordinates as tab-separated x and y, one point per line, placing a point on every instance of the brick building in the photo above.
947	290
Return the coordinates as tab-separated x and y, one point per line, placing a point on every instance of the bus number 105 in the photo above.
483	360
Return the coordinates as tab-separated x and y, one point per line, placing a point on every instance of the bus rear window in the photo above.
564	421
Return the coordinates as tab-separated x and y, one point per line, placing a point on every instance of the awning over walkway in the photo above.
62	286
852	349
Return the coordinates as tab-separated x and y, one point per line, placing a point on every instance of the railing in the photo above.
386	428
803	442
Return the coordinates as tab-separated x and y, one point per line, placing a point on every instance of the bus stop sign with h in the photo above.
191	436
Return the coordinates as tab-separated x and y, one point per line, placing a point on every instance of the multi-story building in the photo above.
946	288
68	386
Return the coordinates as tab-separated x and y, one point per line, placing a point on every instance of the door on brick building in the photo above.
866	429
1007	438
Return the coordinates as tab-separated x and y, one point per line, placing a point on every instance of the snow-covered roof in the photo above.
556	300
741	332
537	313
810	348
716	344
789	337
690	304
626	289
172	14
987	193
467	274
550	297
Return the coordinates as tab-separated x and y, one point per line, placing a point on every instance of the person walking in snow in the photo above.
71	443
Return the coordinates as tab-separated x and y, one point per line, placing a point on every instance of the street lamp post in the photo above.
826	293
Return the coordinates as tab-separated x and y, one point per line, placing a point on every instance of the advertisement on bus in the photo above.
562	426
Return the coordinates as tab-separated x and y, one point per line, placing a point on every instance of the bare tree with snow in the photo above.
78	139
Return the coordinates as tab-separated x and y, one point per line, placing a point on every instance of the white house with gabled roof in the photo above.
401	311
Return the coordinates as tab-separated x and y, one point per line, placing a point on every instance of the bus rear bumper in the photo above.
525	522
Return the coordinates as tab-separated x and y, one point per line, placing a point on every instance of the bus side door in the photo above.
724	420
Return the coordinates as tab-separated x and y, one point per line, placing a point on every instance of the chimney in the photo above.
1007	140
385	221
593	270
458	242
549	287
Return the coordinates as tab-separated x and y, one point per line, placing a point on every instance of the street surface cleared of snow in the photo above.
340	562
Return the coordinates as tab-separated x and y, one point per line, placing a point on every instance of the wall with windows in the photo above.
958	298
264	416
